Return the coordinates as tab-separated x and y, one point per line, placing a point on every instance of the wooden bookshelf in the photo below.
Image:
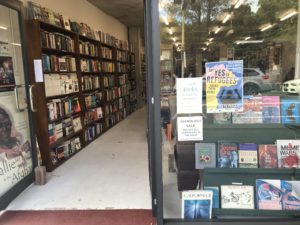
88	82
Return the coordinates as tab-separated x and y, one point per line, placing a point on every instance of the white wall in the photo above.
83	11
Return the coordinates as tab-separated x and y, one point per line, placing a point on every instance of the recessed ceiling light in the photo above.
227	17
3	28
16	44
288	15
170	31
238	4
266	27
247	38
211	39
217	30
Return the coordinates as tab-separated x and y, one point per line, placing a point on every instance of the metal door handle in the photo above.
31	98
17	96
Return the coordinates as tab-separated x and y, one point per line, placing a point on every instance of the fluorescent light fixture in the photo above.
16	44
170	31
227	17
266	27
165	19
3	28
238	4
240	42
288	15
217	30
211	39
247	38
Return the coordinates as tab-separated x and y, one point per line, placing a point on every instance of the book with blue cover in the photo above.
216	195
205	155
290	109
248	155
271	109
290	195
197	204
268	194
227	155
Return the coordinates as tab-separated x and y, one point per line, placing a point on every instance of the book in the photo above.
237	197
252	111
288	153
205	155
76	123
216	195
222	118
196	204
248	156
290	195
271	109
290	111
227	155
268	194
267	156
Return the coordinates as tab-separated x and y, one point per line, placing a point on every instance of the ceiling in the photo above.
129	12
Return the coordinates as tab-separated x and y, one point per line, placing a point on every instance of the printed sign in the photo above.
224	86
189	95
7	77
190	128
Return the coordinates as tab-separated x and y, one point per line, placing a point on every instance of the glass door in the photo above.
16	162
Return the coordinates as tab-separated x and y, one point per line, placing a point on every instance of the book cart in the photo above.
258	133
85	78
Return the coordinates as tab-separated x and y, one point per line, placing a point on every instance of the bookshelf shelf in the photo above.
83	53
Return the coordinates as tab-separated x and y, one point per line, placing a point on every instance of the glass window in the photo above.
229	77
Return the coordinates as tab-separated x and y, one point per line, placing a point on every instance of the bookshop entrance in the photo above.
16	150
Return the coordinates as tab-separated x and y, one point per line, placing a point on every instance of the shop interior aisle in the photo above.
110	173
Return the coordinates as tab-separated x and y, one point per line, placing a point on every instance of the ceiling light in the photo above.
238	4
170	31
176	44
266	27
16	44
288	15
247	38
249	42
165	20
207	43
174	39
211	39
217	30
3	28
204	49
227	17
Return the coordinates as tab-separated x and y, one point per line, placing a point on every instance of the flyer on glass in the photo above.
224	86
190	128
189	95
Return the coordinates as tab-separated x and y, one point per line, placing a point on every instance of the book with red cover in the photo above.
288	153
267	156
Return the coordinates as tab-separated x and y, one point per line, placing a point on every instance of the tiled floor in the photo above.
110	173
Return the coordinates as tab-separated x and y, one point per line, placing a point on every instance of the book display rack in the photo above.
85	89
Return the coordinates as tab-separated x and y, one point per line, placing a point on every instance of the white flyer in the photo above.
190	128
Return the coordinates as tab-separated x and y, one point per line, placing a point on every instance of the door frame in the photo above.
28	180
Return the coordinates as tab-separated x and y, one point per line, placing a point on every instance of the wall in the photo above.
83	11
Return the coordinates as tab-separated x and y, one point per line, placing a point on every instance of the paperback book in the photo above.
268	194
197	204
227	155
267	156
205	155
252	111
237	197
216	195
248	156
290	111
271	109
288	153
290	195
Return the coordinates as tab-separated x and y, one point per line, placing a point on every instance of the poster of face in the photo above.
15	148
7	77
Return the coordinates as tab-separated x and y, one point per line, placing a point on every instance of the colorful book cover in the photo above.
196	204
290	195
271	109
216	195
252	112
237	197
227	155
267	156
222	118
268	194
224	86
290	111
288	153
205	155
248	156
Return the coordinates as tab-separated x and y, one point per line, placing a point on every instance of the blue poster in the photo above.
224	86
